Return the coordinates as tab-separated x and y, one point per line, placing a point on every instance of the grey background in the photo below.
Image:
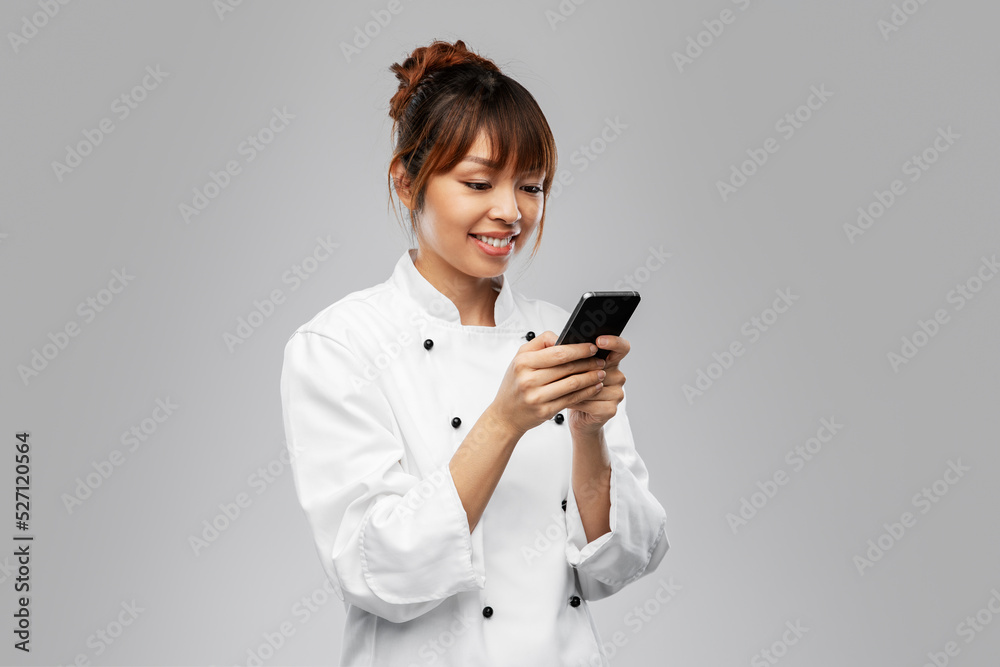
654	185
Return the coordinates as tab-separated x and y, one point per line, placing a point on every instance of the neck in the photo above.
475	298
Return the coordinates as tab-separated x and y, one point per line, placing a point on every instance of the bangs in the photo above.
513	126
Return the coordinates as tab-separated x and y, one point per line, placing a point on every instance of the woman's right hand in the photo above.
544	379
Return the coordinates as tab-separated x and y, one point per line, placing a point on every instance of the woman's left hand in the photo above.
590	415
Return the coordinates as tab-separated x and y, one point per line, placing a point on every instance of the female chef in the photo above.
470	485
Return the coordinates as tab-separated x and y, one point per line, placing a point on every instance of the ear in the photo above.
402	184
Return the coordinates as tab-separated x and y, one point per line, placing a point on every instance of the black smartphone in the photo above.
599	314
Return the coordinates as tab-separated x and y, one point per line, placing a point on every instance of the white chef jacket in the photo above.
378	391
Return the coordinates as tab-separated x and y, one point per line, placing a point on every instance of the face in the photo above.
474	199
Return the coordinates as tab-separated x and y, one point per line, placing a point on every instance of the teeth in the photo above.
496	243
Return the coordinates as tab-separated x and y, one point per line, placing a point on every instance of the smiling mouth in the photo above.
496	243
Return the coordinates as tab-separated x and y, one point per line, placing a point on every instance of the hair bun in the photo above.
424	60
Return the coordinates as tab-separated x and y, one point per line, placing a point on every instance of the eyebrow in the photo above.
491	164
481	160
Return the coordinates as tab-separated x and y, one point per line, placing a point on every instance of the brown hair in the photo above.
448	94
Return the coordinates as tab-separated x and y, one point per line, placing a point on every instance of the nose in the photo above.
505	206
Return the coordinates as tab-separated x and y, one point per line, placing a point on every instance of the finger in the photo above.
579	396
539	342
599	410
544	376
556	355
614	378
617	345
555	391
548	337
609	393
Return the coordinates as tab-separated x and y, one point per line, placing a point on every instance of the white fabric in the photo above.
368	422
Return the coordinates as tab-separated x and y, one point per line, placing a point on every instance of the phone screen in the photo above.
598	314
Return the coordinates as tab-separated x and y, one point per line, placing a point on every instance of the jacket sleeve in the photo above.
637	541
392	544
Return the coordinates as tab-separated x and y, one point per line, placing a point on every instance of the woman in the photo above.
470	485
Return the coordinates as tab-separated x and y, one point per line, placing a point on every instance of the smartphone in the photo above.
598	314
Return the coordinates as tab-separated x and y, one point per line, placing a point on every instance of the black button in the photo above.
428	344
456	422
574	601
531	335
559	418
487	611
564	505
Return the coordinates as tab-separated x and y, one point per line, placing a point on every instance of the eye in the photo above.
481	187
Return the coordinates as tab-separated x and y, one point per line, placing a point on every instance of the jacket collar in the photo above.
411	282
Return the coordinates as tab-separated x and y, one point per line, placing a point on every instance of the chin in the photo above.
491	271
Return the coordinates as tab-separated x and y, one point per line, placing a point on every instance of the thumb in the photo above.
540	342
548	338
